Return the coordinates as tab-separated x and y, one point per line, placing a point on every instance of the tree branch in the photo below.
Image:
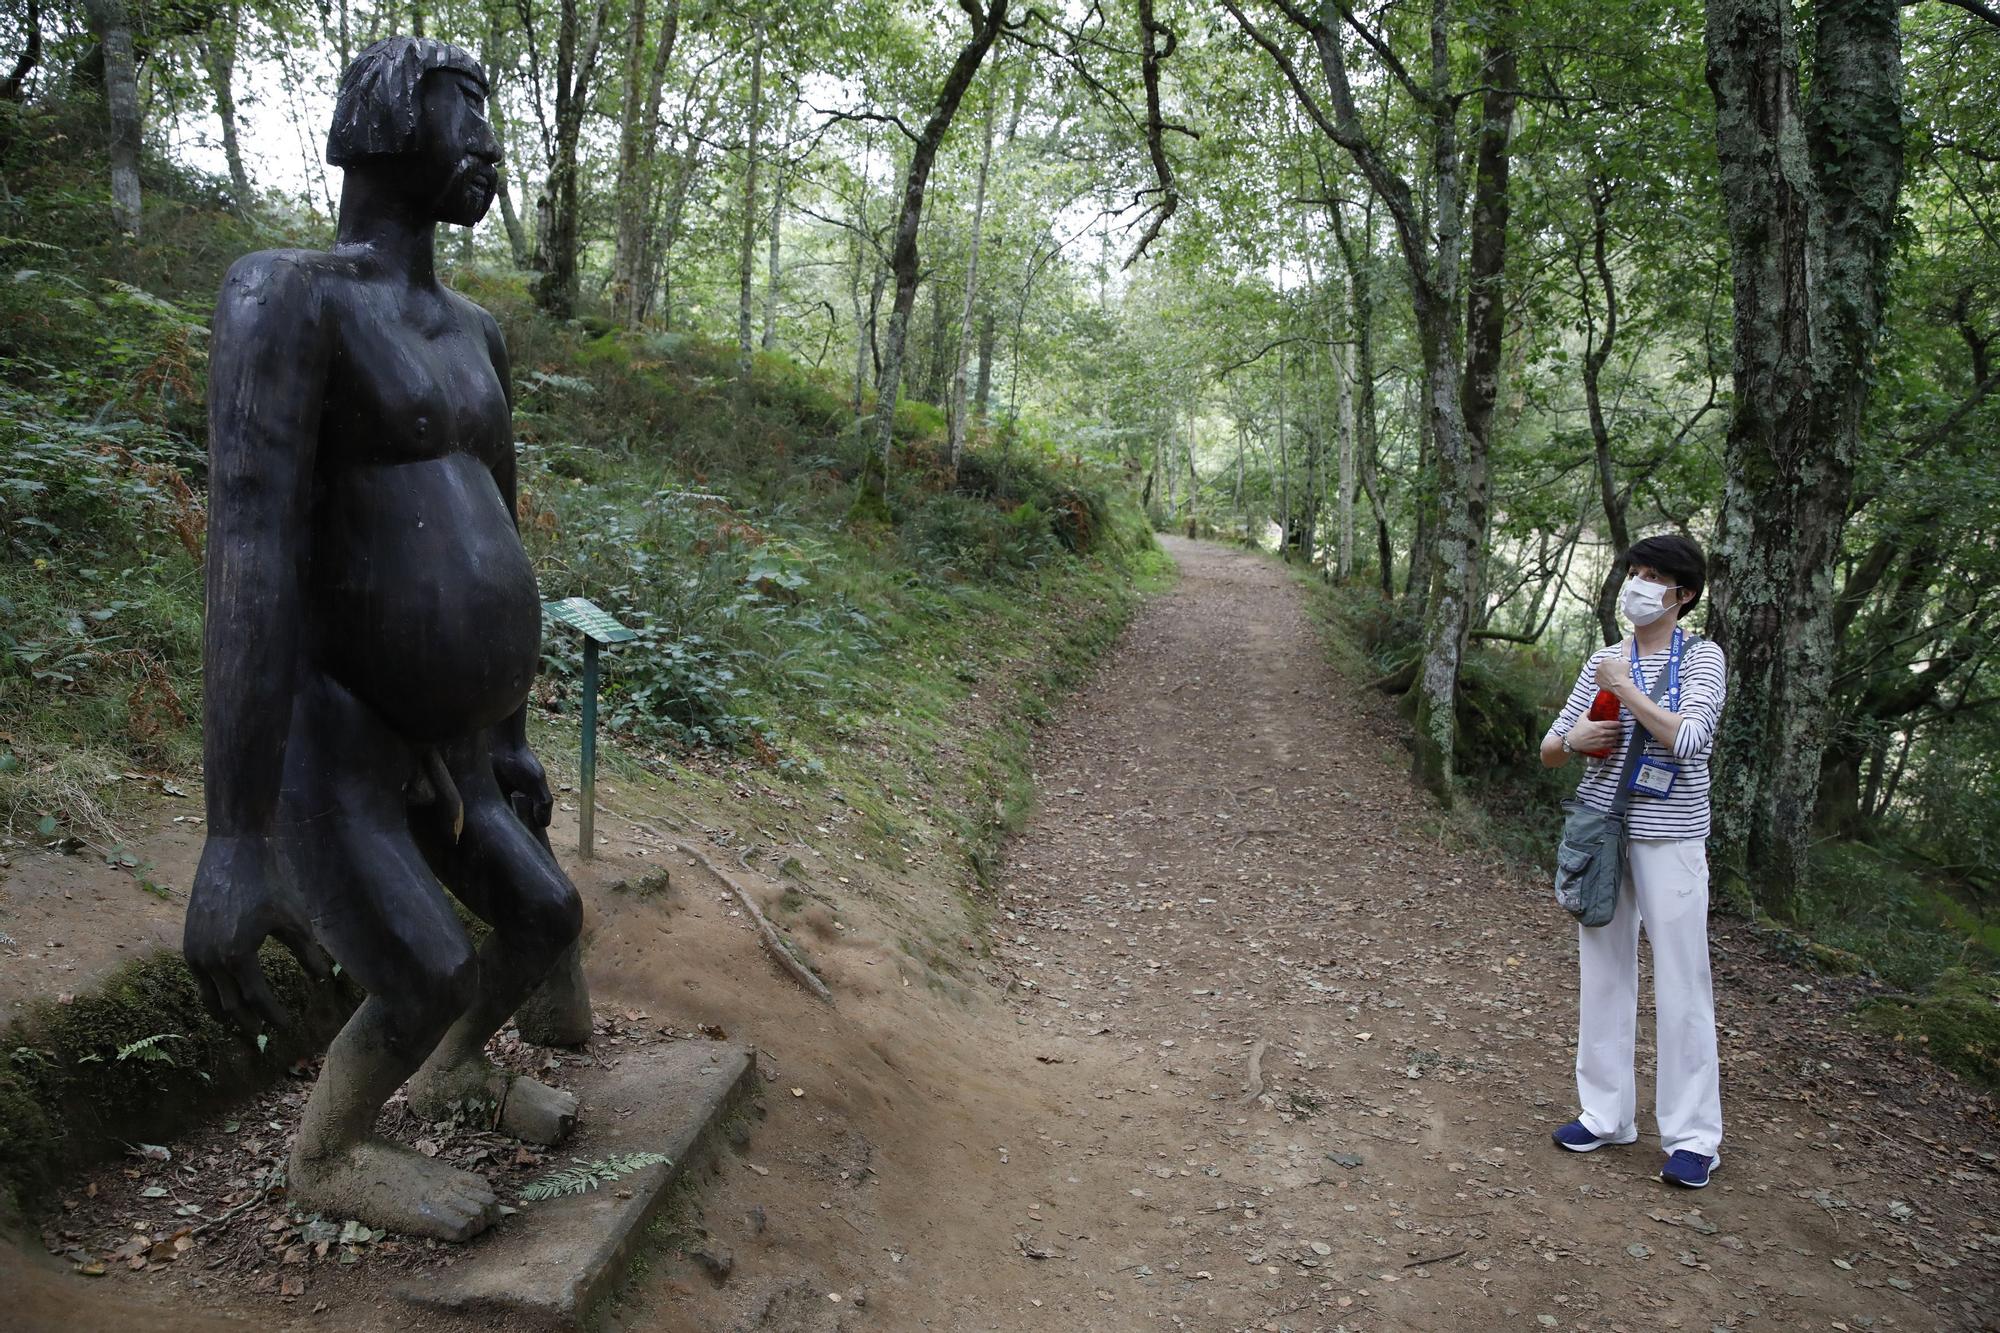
865	117
1152	56
1972	7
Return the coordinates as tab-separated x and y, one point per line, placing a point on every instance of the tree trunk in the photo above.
989	321
746	250
490	57
1242	514
1344	373
1284	457
860	318
576	58
1811	202
971	292
1598	341
218	56
112	24
773	266
934	374
1416	569
13	87
1485	287
1195	483
638	140
1367	438
903	255
662	238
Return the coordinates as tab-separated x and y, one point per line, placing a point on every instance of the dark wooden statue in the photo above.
373	628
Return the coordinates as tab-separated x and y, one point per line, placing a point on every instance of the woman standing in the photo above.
1665	885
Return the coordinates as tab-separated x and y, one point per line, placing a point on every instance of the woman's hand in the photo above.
1612	672
1588	735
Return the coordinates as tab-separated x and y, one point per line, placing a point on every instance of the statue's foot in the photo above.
390	1186
530	1111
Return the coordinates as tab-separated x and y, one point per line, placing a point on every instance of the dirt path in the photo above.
1228	869
1228	860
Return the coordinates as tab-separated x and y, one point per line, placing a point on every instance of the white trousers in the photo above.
1665	889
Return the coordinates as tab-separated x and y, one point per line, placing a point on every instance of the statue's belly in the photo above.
427	602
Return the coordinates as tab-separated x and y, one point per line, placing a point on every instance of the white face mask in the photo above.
1644	602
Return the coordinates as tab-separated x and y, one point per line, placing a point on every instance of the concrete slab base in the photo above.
546	1266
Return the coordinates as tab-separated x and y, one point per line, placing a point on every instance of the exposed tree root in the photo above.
774	943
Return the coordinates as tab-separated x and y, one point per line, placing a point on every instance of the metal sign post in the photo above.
598	628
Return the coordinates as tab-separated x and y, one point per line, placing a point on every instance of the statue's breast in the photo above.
401	391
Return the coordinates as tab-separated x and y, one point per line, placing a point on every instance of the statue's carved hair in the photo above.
381	96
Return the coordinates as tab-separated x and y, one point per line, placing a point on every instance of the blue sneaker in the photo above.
1577	1138
1687	1169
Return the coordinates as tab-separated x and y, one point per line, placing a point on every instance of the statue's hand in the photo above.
237	901
520	775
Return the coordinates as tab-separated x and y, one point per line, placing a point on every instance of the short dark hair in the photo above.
1676	556
381	96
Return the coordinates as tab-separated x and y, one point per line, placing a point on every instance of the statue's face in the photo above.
458	151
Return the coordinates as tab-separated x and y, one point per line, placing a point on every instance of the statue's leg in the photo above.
498	868
379	910
557	1012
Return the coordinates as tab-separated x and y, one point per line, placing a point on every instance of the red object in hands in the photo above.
1604	708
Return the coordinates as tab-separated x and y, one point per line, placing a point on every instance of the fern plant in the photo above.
149	1048
585	1176
146	1048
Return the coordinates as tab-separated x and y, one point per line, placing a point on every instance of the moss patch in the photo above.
67	1096
1957	1024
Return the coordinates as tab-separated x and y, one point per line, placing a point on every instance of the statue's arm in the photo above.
270	348
515	767
267	385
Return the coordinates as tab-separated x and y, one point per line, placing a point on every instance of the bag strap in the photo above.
1622	800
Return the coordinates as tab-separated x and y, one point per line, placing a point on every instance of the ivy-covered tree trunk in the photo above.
1811	200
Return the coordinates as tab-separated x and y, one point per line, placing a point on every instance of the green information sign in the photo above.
580	613
597	627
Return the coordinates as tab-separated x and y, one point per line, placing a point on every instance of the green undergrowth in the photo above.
1882	911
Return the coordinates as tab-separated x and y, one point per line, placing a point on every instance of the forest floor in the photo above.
1255	1039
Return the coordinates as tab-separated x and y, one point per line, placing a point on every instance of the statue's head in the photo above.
413	110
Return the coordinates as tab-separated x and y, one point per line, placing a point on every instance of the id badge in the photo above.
1653	777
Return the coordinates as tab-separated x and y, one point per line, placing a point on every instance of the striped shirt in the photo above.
1683	812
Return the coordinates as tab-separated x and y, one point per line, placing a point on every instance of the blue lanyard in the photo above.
1673	669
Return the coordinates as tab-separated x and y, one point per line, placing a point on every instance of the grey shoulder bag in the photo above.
1590	863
